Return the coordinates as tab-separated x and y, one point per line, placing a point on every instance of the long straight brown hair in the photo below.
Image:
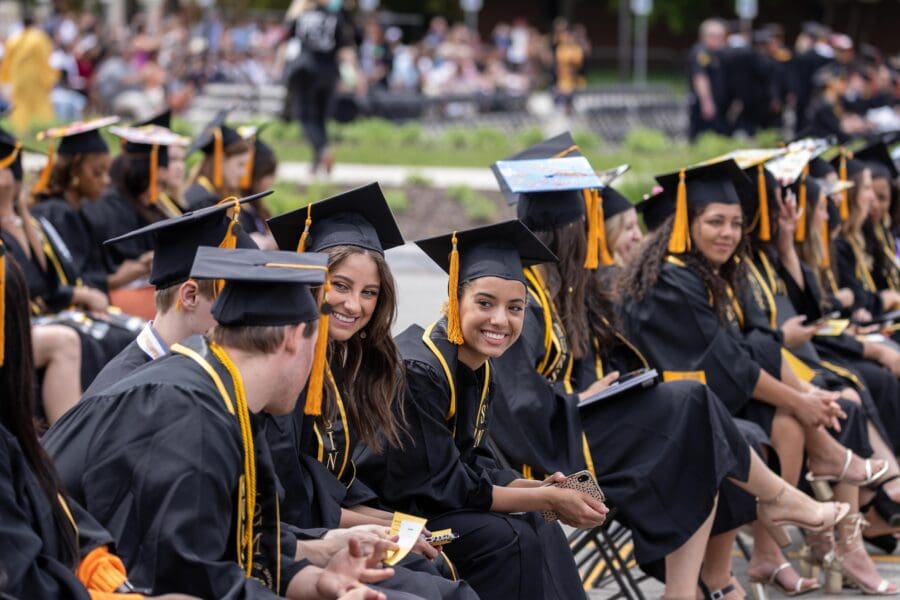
373	370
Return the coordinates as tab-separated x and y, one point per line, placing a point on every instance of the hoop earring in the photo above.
362	335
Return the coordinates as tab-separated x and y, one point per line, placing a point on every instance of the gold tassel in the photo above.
765	230
154	167
230	239
301	245
218	157
11	157
826	244
591	259
680	240
605	255
2	303
800	232
43	181
247	177
316	383
845	195
454	327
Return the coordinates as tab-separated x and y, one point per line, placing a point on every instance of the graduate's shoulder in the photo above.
676	273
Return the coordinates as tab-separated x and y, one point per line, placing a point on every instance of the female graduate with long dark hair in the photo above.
689	273
880	243
445	470
259	175
225	155
52	547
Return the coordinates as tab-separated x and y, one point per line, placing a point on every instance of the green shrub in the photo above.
458	138
397	200
477	207
588	141
529	137
642	139
417	179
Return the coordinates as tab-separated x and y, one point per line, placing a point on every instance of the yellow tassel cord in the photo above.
606	257
454	327
845	195
218	157
243	415
44	179
301	245
591	258
2	303
154	174
6	161
765	230
680	240
230	239
800	232
826	245
314	388
247	177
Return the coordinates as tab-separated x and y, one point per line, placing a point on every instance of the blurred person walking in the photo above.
27	72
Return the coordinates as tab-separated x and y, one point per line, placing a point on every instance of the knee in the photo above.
64	343
851	395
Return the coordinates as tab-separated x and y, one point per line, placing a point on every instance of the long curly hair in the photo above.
567	281
643	272
601	308
373	369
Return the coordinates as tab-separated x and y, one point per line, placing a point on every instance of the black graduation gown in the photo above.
50	291
446	472
880	246
200	194
31	561
662	454
158	460
79	245
123	364
538	428
853	273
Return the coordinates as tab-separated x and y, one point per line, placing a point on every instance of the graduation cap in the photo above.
656	209
760	204
80	137
163	119
820	168
846	166
559	146
179	237
359	217
501	250
878	153
151	141
258	148
213	140
11	154
723	182
270	288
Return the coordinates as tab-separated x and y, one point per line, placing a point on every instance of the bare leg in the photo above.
683	565
58	350
716	572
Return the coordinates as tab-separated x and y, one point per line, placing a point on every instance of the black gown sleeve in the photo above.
427	476
678	331
31	568
846	276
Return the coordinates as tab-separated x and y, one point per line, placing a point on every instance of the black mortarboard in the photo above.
214	132
500	250
722	182
878	153
759	205
614	202
656	209
359	217
262	287
847	167
80	137
151	143
260	153
163	119
11	154
179	237
558	146
820	168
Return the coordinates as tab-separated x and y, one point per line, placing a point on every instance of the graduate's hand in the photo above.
819	408
796	333
845	297
90	299
319	552
363	593
353	566
788	215
425	549
576	509
599	385
890	299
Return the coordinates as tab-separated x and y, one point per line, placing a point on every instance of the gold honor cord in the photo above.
426	338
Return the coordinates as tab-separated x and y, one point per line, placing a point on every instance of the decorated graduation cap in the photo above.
722	182
878	153
258	150
500	250
269	288
150	141
213	141
179	237
558	146
847	166
80	137
359	217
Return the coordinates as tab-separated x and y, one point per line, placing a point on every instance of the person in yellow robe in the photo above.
29	78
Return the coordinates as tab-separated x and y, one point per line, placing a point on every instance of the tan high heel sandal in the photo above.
850	540
821	484
776	527
758	585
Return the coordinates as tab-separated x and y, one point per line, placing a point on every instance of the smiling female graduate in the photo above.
446	471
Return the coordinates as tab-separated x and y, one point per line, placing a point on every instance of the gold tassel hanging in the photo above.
680	240
800	232
43	181
247	177
316	383
218	157
606	257
765	229
826	245
454	327
154	173
301	245
845	195
230	239
591	257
